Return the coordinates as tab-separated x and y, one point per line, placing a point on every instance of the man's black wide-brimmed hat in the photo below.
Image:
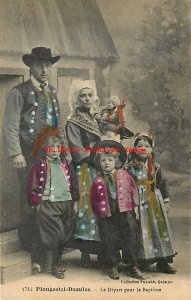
39	53
109	146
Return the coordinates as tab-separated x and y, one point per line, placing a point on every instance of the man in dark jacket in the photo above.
30	106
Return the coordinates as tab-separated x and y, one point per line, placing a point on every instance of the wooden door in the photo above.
9	185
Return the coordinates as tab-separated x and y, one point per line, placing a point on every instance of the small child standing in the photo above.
52	191
154	205
114	197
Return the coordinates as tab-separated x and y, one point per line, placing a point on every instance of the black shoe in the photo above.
58	272
85	260
165	268
113	274
136	273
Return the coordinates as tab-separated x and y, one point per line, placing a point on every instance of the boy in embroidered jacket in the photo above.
114	197
52	190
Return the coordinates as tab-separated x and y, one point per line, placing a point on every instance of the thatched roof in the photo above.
72	28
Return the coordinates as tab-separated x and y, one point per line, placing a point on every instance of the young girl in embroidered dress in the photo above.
52	191
154	201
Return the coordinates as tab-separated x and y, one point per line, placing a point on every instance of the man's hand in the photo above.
18	161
